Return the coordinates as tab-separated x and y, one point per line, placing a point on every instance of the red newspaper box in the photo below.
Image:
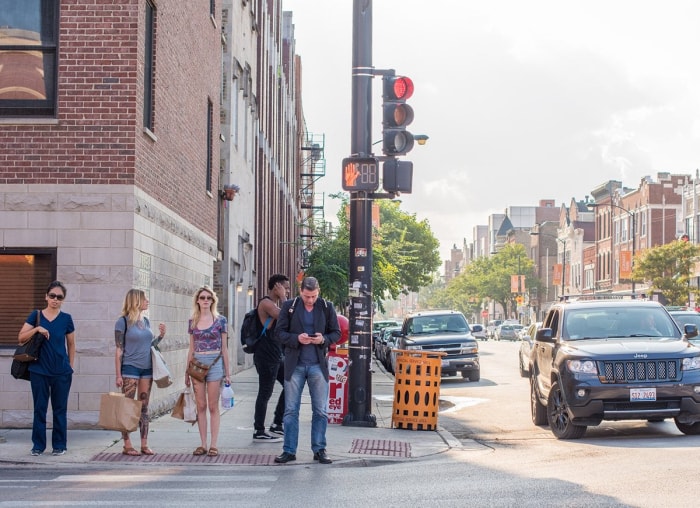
337	406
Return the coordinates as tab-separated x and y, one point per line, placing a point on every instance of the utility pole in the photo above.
360	283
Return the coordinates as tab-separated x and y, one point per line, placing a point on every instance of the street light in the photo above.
633	236
563	265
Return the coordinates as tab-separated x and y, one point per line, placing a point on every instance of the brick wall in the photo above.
98	137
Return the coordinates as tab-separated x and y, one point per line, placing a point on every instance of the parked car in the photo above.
508	332
478	331
389	343
377	327
619	359
392	344
491	328
446	331
527	338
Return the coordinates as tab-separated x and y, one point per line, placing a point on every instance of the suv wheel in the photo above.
559	420
539	412
523	371
473	375
691	429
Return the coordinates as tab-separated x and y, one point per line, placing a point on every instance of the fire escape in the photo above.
313	167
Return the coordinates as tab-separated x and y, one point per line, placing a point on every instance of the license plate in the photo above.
445	363
642	394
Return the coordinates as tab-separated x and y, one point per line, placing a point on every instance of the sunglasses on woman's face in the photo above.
206	297
54	296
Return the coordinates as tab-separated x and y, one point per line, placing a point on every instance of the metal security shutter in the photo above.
24	274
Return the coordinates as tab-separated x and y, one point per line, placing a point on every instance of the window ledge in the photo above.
148	132
28	121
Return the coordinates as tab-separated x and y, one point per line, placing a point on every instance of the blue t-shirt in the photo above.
307	354
137	343
53	358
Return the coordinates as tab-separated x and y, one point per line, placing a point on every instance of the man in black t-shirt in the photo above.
268	361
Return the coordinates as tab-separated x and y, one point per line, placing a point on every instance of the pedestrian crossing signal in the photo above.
360	174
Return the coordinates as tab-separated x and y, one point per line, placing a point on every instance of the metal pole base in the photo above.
369	421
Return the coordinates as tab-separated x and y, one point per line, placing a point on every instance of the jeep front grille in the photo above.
640	371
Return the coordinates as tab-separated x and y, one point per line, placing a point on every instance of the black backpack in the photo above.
252	330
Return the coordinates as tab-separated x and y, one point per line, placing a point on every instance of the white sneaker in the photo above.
260	437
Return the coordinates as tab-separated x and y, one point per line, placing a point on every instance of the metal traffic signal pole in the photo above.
360	279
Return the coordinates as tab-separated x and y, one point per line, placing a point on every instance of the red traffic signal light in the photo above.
402	88
396	115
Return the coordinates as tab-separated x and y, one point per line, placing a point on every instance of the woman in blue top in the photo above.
52	374
134	338
208	344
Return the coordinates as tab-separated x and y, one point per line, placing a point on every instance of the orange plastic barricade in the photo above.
416	389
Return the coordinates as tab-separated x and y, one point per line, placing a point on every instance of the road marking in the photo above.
163	478
460	403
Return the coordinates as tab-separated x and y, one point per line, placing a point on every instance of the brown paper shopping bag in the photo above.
118	412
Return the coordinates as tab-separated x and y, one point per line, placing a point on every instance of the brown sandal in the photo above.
130	451
200	451
147	451
213	452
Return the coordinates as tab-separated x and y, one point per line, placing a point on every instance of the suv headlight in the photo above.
582	366
468	349
691	363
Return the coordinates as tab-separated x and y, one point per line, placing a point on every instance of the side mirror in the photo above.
690	331
545	335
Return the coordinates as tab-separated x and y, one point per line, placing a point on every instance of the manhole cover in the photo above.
382	447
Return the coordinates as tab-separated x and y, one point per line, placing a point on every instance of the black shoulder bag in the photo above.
27	353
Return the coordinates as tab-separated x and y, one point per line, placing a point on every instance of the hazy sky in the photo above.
522	100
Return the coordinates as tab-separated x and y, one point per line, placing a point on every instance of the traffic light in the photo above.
396	115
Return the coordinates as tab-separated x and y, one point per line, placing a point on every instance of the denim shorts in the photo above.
136	373
216	371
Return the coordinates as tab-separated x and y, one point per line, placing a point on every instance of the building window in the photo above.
210	144
26	273
28	66
149	66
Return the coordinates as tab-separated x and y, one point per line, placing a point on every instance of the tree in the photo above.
488	278
404	256
667	269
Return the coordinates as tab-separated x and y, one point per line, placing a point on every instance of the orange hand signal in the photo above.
351	173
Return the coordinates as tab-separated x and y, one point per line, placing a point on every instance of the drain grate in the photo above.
381	447
248	459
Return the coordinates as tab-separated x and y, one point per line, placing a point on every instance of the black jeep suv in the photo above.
613	360
446	331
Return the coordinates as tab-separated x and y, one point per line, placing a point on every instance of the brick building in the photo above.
109	175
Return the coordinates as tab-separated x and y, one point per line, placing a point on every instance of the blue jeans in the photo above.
318	389
55	388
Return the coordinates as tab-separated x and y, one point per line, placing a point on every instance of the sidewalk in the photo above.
174	440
